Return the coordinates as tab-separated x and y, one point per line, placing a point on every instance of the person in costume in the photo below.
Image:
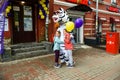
61	17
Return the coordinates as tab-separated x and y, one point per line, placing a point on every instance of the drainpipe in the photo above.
96	16
97	31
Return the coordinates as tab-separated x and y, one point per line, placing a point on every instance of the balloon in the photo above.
38	16
45	8
69	26
40	13
43	0
9	7
78	22
7	10
47	12
9	14
42	16
43	5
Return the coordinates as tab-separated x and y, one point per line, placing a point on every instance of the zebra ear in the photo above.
61	9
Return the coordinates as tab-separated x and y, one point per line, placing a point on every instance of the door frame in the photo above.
34	21
78	14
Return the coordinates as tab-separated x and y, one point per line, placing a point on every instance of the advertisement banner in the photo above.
2	24
3	5
84	2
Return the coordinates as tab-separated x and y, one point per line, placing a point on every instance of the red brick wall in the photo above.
51	24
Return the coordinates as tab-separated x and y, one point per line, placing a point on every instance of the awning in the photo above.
81	7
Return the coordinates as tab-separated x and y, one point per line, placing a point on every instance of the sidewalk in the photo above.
91	64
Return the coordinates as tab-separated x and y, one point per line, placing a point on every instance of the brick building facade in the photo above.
108	18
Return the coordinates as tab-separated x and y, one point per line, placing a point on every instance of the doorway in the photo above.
78	32
23	23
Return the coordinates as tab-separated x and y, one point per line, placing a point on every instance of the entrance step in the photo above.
27	50
29	54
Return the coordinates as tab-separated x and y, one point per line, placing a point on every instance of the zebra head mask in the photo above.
60	16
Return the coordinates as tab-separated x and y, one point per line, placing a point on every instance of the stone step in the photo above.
27	49
24	45
30	54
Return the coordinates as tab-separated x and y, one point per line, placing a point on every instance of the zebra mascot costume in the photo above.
61	17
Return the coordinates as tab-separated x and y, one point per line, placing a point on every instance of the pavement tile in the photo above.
91	64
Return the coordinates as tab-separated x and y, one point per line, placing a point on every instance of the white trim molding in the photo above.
89	19
106	12
89	24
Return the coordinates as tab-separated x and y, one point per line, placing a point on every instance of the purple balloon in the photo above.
38	16
78	22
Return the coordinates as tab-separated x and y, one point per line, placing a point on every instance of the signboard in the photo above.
113	9
16	8
85	2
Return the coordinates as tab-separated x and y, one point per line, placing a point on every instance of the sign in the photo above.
113	9
85	2
16	8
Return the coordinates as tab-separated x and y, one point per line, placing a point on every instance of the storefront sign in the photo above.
2	24
85	2
113	9
16	8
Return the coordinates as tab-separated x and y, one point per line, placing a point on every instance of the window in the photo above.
113	29
113	1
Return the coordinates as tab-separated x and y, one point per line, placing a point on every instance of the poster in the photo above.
6	25
28	24
27	11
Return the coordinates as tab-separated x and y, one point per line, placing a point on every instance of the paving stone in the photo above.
91	64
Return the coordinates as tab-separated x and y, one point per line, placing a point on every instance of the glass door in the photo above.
23	24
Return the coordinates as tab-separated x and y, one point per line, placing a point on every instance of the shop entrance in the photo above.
78	32
23	23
